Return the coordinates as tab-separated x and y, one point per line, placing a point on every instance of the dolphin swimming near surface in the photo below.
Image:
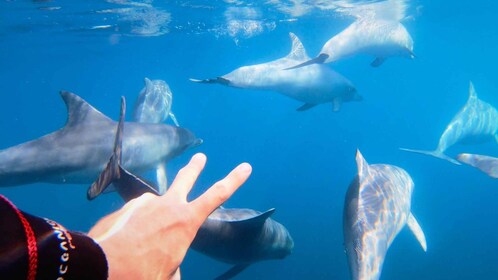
237	236
476	122
486	164
153	105
376	208
312	85
77	153
377	31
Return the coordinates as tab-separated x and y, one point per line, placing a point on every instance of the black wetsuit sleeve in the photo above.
56	254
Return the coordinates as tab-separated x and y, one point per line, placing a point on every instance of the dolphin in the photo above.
376	208
237	236
476	122
312	85
486	164
377	31
153	105
154	102
77	153
242	237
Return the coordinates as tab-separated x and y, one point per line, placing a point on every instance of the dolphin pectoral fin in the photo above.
255	221
417	231
434	154
127	185
232	272
162	179
378	61
305	107
336	103
173	118
317	60
496	138
218	80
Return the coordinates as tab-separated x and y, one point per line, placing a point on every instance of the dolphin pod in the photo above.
377	31
376	208
312	85
236	236
77	153
476	122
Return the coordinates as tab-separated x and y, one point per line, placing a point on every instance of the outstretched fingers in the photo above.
217	194
187	176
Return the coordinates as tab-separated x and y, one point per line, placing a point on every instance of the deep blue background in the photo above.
303	161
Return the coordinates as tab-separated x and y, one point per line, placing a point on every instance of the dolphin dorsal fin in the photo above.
256	221
147	82
79	111
417	231
297	52
362	164
472	92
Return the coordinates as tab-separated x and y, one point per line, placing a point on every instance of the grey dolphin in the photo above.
486	164
154	102
242	237
77	153
312	85
376	208
377	31
476	122
237	236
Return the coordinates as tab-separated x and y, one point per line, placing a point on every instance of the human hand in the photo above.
149	237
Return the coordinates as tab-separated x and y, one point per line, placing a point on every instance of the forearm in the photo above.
34	247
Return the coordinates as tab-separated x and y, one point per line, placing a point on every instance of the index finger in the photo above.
187	176
217	194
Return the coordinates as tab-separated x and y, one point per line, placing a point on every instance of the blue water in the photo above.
303	161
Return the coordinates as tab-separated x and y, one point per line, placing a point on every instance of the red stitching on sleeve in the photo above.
30	236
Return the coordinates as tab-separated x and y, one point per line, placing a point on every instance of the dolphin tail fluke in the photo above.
232	272
317	60
127	185
434	154
218	80
417	231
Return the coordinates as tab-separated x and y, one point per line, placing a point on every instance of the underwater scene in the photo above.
371	126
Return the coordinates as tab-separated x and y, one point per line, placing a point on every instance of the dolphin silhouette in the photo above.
77	153
376	208
377	31
486	164
237	236
312	85
476	122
